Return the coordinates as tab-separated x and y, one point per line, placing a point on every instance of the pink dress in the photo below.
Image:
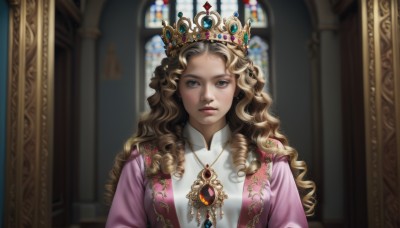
268	198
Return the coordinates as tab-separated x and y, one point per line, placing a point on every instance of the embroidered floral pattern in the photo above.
256	189
160	187
160	205
254	192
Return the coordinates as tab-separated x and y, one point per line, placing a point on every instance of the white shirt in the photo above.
223	167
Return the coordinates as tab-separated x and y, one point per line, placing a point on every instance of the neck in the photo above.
208	131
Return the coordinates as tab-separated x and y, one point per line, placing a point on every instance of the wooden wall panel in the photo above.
29	113
382	110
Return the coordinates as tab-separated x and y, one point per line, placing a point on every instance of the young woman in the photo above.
208	153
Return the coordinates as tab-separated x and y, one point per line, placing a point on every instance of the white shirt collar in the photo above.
196	138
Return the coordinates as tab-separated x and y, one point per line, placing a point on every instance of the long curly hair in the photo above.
249	119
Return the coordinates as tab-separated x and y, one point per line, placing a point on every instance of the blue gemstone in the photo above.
182	28
207	223
246	38
207	22
234	28
219	36
168	34
236	14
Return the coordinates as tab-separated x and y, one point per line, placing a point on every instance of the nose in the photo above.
207	94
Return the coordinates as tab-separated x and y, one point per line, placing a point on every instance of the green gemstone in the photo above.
234	28
246	38
168	34
207	22
182	28
180	14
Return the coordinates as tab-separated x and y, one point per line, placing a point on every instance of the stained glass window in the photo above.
228	7
258	52
186	7
157	12
154	54
254	11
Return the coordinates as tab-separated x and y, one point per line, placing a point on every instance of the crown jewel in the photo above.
206	25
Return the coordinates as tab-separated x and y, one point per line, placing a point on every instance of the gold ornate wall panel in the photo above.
29	113
380	28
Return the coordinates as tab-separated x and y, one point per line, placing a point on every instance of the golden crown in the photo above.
207	26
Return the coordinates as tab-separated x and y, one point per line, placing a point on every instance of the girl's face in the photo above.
207	90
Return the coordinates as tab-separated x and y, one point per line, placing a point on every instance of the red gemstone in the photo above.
207	6
207	195
207	173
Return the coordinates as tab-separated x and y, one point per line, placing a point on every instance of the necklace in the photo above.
207	193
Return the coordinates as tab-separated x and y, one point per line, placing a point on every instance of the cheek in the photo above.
229	95
188	98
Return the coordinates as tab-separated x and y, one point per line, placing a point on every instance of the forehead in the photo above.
206	63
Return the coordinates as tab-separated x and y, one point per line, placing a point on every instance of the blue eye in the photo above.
192	83
222	83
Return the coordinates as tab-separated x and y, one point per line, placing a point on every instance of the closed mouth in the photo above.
207	108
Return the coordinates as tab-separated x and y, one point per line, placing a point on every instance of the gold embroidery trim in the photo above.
162	203
149	151
257	197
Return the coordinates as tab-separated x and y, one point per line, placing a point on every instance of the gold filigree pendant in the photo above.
206	196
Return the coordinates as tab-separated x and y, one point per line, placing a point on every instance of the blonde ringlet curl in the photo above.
249	119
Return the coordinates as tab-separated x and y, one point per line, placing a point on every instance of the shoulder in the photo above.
276	157
273	154
135	161
147	151
274	143
141	156
273	158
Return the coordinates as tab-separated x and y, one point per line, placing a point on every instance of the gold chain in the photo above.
198	159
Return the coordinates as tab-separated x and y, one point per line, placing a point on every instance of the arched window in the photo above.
158	10
155	13
154	54
259	53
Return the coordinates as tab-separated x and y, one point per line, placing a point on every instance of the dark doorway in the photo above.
65	159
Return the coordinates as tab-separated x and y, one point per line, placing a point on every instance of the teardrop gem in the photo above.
207	223
207	174
246	38
182	28
168	34
234	28
207	22
207	195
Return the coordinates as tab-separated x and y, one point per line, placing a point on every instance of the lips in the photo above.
207	109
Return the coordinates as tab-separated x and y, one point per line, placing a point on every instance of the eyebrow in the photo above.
199	77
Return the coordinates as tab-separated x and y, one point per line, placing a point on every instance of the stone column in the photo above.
333	185
327	132
87	205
